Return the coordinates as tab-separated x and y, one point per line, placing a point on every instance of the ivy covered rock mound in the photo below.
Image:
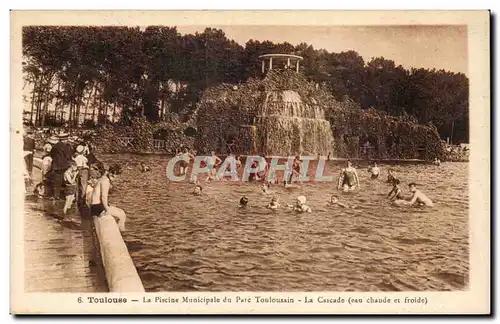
281	114
368	133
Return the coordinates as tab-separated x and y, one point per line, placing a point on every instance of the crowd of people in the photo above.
71	173
348	181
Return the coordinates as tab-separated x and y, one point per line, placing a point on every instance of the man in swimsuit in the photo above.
296	169
263	168
212	162
274	204
99	203
418	197
348	179
374	170
243	202
230	159
396	192
390	176
300	205
183	163
83	174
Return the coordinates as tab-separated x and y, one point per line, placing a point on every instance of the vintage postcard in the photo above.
250	162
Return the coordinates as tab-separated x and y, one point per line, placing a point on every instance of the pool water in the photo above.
182	242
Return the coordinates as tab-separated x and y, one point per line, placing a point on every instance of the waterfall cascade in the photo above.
288	126
280	114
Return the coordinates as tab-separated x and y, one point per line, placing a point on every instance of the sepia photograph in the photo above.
231	158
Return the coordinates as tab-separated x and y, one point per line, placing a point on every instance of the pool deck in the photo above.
59	256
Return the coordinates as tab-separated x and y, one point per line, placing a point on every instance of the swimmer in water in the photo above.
390	176
348	179
238	163
144	167
70	190
334	202
418	198
263	168
296	169
274	204
266	188
300	205
396	192
230	159
88	191
212	162
100	197
186	157
374	170
243	202
198	190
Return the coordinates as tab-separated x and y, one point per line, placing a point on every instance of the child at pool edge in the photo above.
70	190
42	189
212	162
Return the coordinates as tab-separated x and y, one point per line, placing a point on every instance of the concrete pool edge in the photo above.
121	273
119	268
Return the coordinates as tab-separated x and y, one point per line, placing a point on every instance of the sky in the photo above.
440	47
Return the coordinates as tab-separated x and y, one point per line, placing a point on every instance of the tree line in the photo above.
157	71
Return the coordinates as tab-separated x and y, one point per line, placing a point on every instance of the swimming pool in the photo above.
181	242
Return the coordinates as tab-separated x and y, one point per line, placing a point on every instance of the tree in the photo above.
101	71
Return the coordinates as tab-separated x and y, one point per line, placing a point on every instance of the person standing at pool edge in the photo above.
348	179
83	173
61	154
100	201
29	149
